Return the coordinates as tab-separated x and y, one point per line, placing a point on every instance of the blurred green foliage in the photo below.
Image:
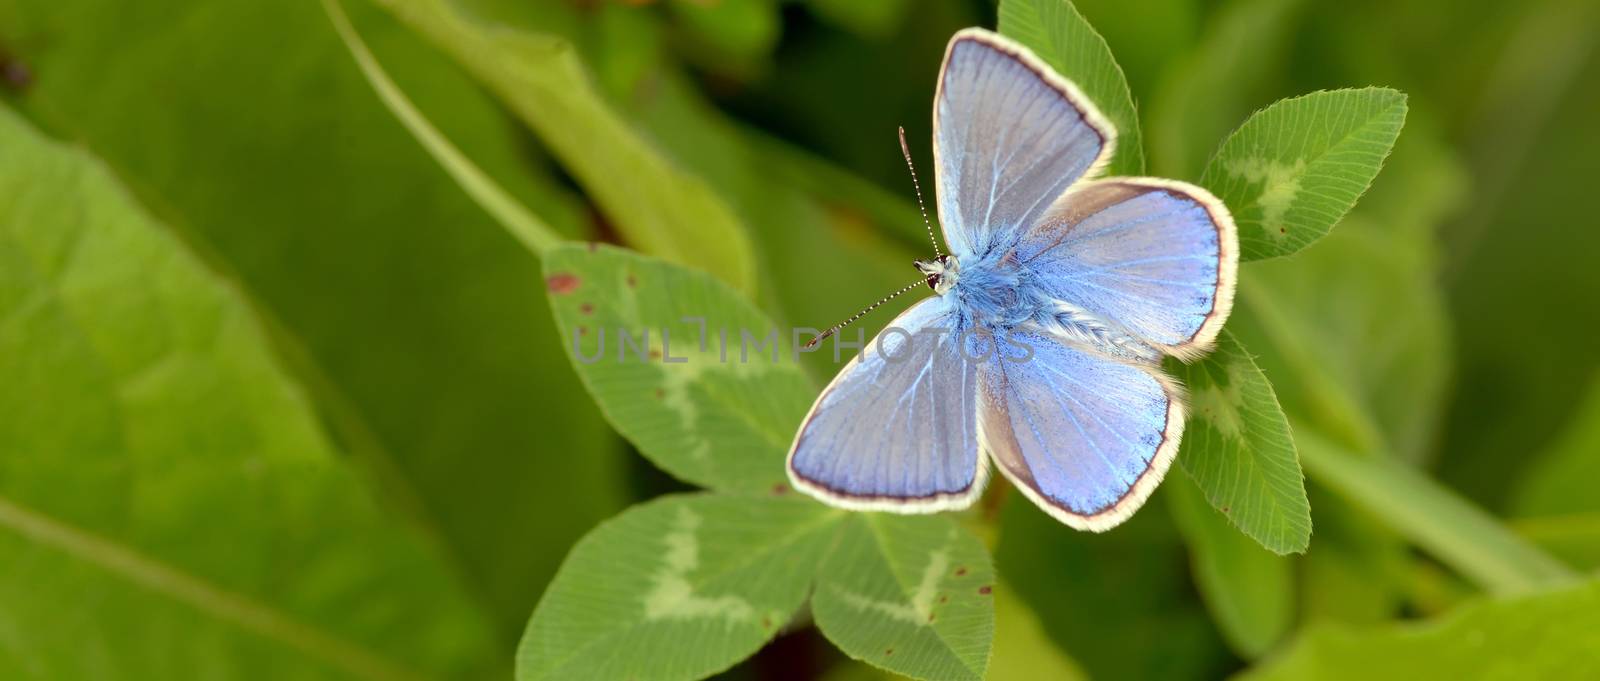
278	399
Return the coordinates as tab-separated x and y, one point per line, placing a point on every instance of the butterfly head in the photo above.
942	272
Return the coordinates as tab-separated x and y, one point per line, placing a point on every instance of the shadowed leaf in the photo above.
210	522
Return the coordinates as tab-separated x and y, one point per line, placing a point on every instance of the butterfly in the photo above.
1041	349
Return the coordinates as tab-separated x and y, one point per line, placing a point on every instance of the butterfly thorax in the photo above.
994	294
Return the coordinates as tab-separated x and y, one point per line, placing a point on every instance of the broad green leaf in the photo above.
1056	32
910	594
1237	448
1228	74
1562	480
1063	39
678	588
1457	533
657	207
157	463
697	378
416	323
1548	635
1122	603
1293	170
1249	591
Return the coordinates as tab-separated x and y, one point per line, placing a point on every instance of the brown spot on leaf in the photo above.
661	394
766	622
1227	509
985	590
594	246
888	651
562	283
961	572
930	618
944	598
583	330
655	354
780	489
632	283
586	308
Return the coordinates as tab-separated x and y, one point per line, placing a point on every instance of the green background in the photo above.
411	347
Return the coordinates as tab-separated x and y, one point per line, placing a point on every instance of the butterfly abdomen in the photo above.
1086	329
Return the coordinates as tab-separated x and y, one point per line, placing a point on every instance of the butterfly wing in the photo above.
1085	436
1155	257
896	429
1009	137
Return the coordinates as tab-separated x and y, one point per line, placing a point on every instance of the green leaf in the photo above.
1056	32
658	208
1457	533
210	521
697	378
1249	591
679	588
910	594
1552	634
1293	170
1237	448
416	323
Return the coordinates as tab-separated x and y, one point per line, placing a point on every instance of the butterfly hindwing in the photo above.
896	429
1157	258
1009	137
1085	436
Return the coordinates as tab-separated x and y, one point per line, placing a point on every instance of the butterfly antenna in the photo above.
835	328
906	151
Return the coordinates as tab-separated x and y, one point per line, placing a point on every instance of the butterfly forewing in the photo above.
896	429
1009	137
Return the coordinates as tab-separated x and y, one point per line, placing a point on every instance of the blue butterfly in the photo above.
1041	350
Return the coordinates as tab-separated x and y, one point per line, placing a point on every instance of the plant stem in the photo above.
1459	534
523	225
